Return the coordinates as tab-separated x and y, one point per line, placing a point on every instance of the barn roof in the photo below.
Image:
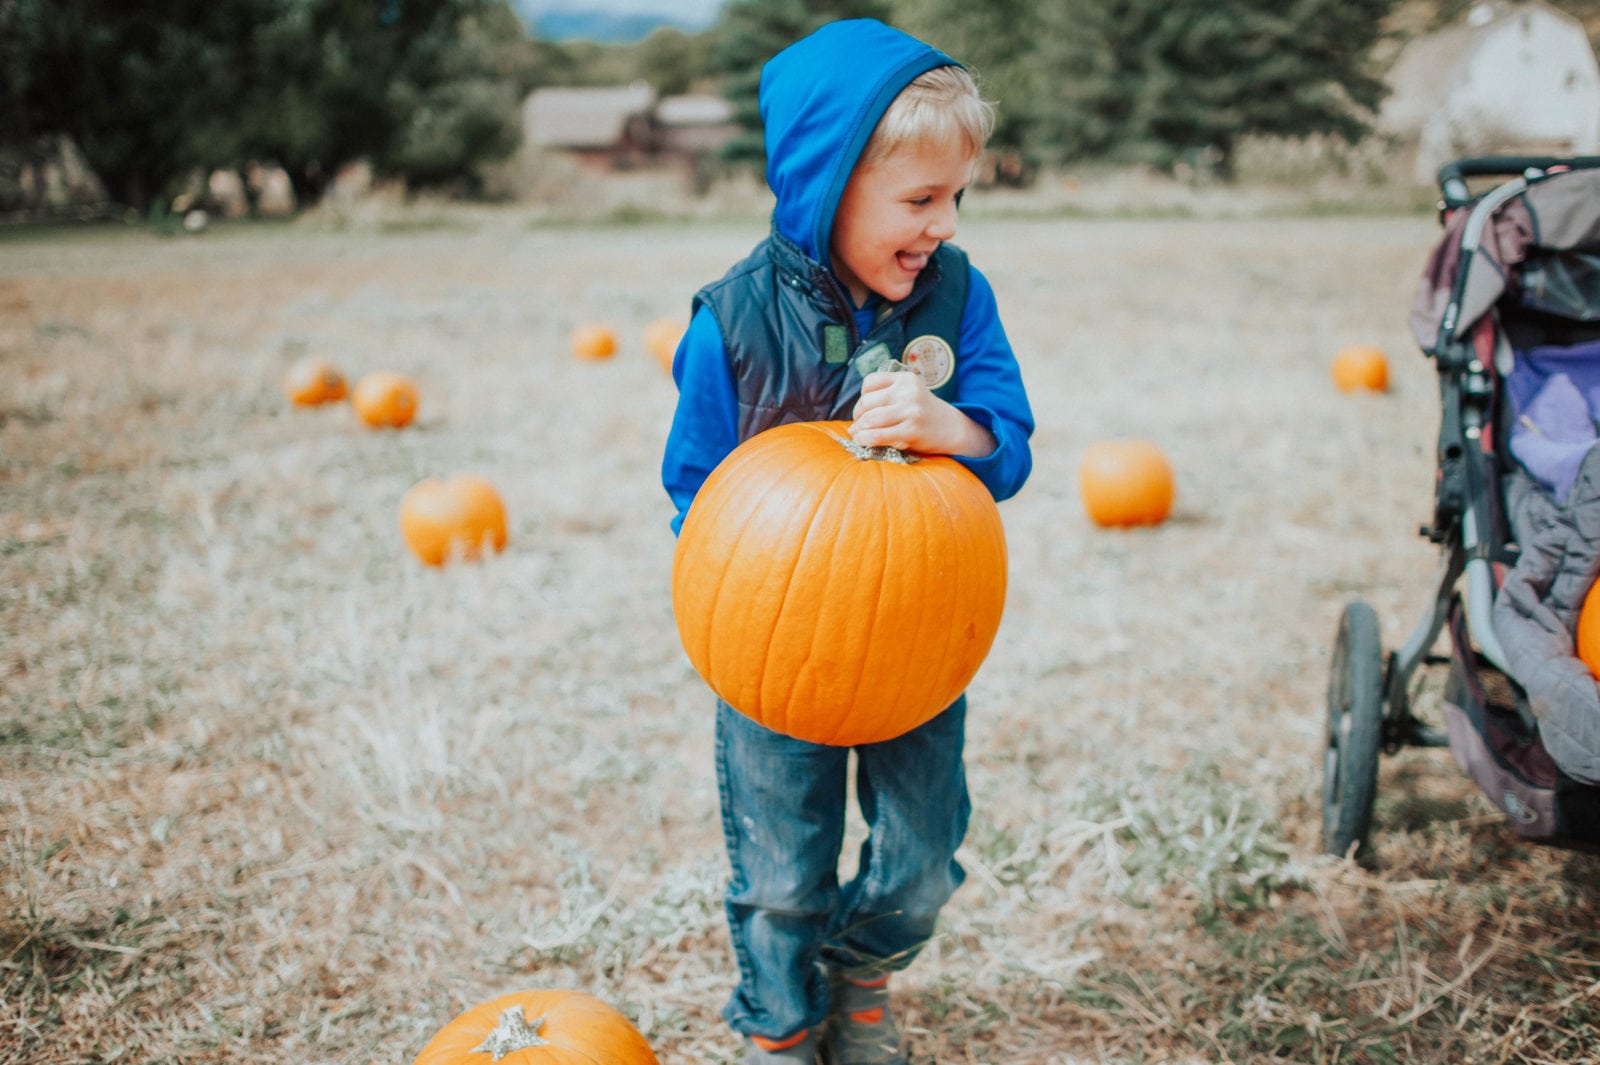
568	117
694	110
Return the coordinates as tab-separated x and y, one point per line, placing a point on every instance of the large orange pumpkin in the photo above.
546	1027
594	340
661	339
460	515
1126	482
833	594
1360	366
312	381
385	400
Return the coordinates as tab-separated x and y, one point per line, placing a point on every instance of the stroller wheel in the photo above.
1355	730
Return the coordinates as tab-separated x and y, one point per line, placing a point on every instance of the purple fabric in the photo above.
1555	397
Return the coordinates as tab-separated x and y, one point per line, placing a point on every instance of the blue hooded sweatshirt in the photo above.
778	339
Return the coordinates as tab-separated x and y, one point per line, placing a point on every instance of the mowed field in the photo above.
273	792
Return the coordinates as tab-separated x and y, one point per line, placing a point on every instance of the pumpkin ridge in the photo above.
745	683
895	557
971	540
946	587
822	526
780	617
953	587
585	1019
961	562
881	496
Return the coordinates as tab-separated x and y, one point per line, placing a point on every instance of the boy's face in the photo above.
893	216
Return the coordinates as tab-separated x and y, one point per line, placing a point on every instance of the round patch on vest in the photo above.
932	357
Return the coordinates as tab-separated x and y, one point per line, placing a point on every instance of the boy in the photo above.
871	138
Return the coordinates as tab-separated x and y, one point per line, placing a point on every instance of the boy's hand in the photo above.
897	410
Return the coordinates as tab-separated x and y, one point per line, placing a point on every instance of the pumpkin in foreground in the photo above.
541	1027
452	517
312	381
832	593
385	400
1126	482
1360	366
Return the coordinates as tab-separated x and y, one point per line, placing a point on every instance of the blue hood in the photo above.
821	98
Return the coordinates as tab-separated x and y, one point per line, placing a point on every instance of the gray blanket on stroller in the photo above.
1536	612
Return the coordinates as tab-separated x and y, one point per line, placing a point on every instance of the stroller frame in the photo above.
1370	711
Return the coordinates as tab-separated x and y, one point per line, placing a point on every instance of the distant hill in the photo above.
576	23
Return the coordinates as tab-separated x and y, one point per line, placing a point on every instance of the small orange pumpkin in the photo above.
832	593
312	381
1361	366
541	1027
385	399
593	340
1126	482
661	339
458	514
1588	635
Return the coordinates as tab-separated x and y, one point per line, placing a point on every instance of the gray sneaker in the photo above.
802	1053
860	1028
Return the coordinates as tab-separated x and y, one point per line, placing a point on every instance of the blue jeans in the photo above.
783	817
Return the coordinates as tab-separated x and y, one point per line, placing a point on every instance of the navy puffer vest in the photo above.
793	344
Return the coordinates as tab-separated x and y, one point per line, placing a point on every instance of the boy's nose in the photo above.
942	226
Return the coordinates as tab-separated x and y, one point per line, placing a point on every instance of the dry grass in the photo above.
272	792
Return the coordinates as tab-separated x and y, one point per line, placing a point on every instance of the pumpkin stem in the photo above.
511	1034
878	454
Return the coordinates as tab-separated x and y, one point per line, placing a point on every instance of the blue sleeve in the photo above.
989	387
705	425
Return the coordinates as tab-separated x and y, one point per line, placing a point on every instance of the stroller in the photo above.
1509	310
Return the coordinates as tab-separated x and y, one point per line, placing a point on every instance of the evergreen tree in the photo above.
752	31
1164	80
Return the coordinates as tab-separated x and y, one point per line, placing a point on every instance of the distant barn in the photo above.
626	126
1509	78
693	125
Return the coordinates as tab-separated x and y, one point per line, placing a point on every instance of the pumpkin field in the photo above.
275	790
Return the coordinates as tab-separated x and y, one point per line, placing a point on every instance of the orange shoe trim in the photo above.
772	1046
872	1016
879	982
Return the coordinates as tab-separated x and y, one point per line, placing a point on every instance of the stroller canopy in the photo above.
1537	240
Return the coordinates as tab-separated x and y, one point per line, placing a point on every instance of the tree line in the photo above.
152	90
429	91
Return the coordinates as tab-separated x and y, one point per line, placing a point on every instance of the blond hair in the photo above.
941	107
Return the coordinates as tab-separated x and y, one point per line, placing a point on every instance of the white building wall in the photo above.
1530	81
1533	77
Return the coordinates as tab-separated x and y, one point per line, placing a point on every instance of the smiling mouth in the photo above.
910	263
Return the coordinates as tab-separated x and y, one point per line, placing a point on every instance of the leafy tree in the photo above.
151	90
673	61
137	87
458	97
752	31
